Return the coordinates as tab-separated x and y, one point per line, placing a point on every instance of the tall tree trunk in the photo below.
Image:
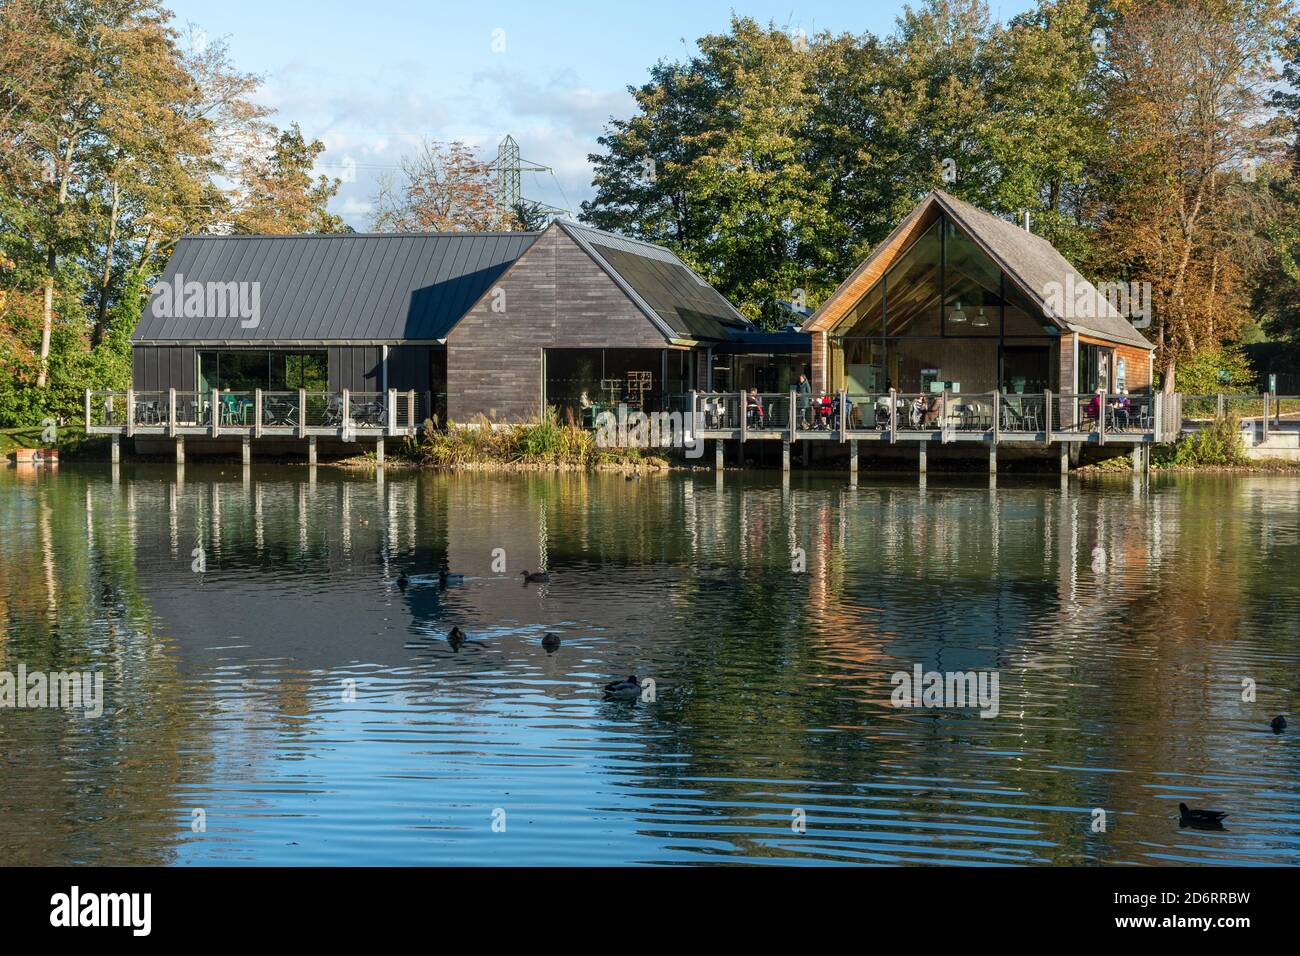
52	266
105	282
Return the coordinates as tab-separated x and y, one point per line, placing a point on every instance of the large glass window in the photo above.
912	287
971	286
243	370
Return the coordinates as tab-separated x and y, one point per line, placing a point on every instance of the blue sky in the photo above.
372	79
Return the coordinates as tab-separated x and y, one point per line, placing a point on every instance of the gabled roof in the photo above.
339	287
670	293
1030	261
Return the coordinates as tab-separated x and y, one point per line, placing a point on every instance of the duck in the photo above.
445	577
403	581
551	642
633	477
629	689
536	577
456	638
1278	723
1210	819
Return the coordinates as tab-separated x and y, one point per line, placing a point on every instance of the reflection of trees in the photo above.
79	789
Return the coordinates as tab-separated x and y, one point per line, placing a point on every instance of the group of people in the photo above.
818	412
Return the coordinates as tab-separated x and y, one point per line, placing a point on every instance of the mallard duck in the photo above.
551	642
1278	723
1210	819
628	689
536	577
456	638
445	577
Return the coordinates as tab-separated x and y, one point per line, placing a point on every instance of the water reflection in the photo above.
316	712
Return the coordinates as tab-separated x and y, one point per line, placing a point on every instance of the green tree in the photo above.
279	195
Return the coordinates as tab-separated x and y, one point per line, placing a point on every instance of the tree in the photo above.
1184	96
278	195
444	187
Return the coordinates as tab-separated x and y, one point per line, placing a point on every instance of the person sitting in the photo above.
917	411
754	409
826	409
1092	411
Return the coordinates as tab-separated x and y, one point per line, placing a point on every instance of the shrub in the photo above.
1218	443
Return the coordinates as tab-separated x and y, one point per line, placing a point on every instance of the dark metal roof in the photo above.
756	342
663	286
342	287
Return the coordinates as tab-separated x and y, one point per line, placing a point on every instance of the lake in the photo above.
272	696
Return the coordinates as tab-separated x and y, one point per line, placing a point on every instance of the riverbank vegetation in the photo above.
544	442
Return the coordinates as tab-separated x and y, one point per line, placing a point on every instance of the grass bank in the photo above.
1216	448
542	445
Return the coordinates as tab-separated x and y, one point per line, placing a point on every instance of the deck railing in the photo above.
300	413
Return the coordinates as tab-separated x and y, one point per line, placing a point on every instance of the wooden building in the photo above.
958	299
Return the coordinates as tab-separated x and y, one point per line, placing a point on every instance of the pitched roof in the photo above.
671	294
339	287
1032	262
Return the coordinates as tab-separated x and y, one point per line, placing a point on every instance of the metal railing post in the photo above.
997	416
130	412
1047	417
744	420
347	414
257	412
1157	417
171	413
410	412
794	422
844	415
87	410
392	411
302	413
214	413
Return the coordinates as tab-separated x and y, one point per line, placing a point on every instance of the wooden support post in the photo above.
853	459
171	412
117	448
392	411
1157	415
943	418
997	417
993	459
794	420
411	423
379	451
214	413
844	414
921	453
257	412
785	456
719	454
1137	459
247	450
893	416
1065	458
180	449
1047	417
347	414
87	409
311	451
744	424
130	412
1218	413
1101	417
302	413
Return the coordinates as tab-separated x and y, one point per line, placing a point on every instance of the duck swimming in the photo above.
536	577
456	638
551	642
1206	819
1278	723
629	689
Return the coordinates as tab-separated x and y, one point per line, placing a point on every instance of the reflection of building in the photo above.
956	298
